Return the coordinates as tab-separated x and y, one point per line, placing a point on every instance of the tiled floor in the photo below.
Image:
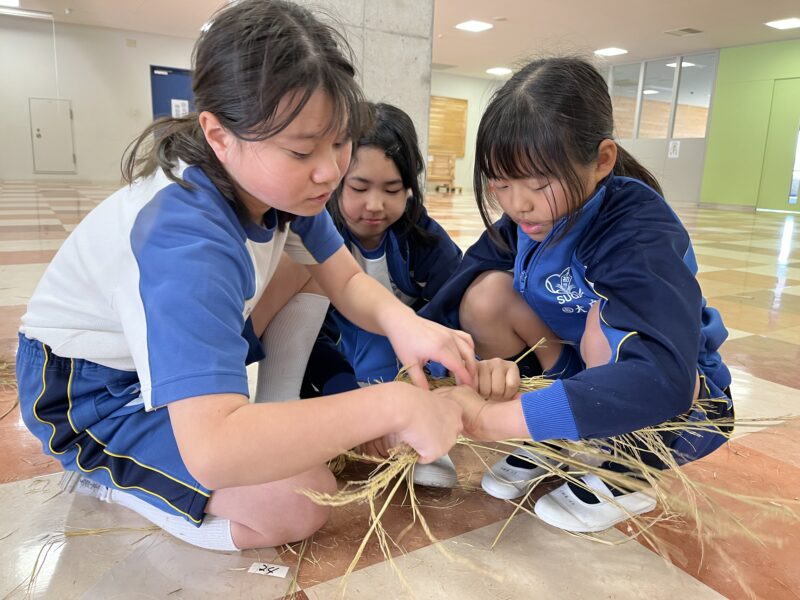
750	270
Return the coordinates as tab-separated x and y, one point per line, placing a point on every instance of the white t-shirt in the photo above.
376	266
161	280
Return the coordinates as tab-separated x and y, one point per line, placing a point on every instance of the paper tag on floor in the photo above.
268	569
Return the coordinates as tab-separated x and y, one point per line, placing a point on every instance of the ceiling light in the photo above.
24	12
792	23
11	3
684	64
610	52
474	26
499	71
649	92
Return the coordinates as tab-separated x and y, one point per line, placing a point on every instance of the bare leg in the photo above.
273	513
595	349
501	322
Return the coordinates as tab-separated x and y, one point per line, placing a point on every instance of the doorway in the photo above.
171	91
781	167
51	135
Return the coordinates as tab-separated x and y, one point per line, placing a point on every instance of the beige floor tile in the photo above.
701	268
27	245
125	562
745	256
759	399
775	270
531	560
734	334
791	335
18	282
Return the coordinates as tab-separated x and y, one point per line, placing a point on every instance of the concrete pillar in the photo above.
392	43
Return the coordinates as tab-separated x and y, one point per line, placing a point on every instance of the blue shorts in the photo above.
91	418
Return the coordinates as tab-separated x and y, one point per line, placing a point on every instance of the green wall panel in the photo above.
784	120
736	142
740	122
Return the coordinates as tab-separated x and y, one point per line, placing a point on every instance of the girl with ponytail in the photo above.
588	255
132	353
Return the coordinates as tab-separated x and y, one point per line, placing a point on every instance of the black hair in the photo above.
254	53
549	117
392	131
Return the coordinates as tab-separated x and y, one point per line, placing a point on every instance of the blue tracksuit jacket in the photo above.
418	271
628	252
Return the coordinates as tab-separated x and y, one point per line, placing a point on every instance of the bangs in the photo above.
291	69
347	112
521	138
515	143
513	159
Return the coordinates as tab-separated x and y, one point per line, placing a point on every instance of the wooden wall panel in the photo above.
447	128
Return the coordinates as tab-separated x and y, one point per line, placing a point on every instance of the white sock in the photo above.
288	341
213	534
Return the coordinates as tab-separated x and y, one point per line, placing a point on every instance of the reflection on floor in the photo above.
749	270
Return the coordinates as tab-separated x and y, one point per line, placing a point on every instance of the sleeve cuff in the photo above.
548	415
200	385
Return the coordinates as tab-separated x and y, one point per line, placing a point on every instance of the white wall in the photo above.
679	177
107	81
477	93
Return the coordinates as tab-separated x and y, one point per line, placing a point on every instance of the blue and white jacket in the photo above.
416	273
629	252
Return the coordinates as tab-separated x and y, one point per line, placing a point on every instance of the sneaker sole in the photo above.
554	512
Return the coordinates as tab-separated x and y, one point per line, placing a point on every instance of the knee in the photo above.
283	514
312	516
484	302
307	516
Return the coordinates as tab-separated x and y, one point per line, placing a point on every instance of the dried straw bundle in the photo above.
397	468
678	496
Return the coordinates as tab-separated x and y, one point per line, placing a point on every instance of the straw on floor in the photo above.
678	496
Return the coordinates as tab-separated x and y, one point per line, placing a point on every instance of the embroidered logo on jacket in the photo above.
562	286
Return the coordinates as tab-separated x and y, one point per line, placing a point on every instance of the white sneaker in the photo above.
563	509
441	473
507	482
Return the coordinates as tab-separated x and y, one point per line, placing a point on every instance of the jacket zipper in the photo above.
537	251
